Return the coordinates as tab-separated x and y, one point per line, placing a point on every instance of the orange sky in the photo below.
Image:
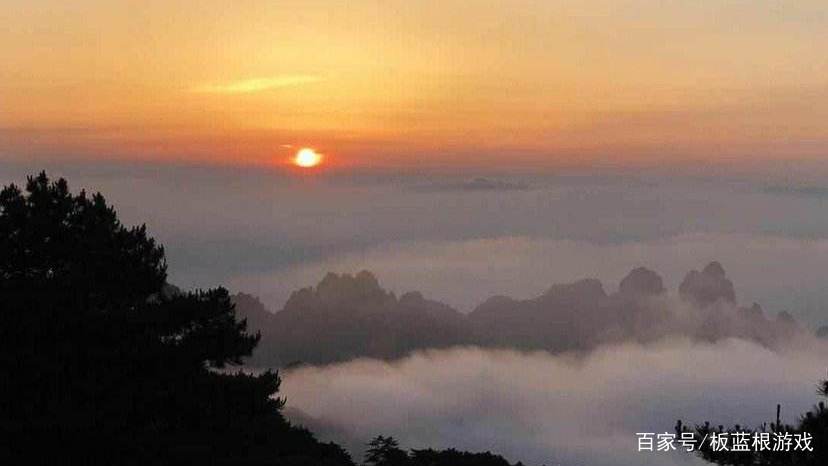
415	83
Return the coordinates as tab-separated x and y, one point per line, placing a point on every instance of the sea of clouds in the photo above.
458	237
548	409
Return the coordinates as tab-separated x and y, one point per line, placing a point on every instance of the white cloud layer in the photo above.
546	409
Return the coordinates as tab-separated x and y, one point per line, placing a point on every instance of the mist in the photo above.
347	316
263	232
777	272
563	410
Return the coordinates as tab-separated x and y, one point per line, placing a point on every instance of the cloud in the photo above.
514	242
248	86
561	410
816	192
476	184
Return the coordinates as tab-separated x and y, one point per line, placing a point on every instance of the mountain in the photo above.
350	316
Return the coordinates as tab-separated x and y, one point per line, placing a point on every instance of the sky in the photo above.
425	84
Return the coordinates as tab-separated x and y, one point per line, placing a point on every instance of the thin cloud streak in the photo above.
249	86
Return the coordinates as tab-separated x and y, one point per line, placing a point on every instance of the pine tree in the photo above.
813	424
102	362
385	451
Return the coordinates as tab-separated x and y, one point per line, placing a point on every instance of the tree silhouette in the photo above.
385	451
813	423
102	362
452	457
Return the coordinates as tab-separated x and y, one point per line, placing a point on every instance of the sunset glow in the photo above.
416	84
307	158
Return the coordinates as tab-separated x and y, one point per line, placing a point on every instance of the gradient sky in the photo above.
422	84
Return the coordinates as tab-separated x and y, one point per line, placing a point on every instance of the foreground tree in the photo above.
102	362
385	451
802	444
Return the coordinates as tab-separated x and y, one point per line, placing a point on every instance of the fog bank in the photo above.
547	409
266	233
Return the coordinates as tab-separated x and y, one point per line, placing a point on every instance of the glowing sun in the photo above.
307	158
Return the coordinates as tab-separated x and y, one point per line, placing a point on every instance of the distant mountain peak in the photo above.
707	287
642	281
347	316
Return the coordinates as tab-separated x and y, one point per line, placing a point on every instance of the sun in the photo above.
307	158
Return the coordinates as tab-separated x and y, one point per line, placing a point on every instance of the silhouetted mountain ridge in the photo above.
350	316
